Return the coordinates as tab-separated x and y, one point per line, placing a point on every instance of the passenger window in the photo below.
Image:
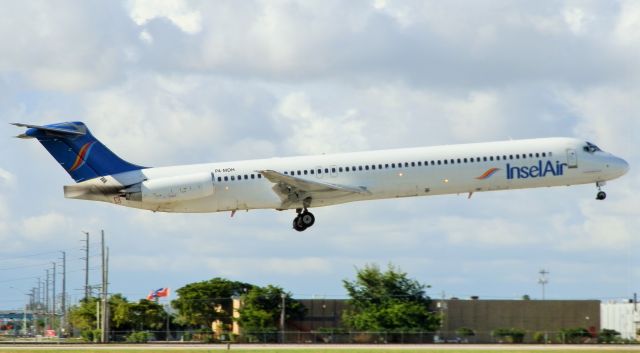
346	169
465	160
379	166
491	158
239	177
233	178
459	161
433	162
446	162
226	178
326	170
305	172
246	177
472	160
497	158
419	164
413	164
386	166
253	176
286	173
544	154
319	171
353	168
340	169
311	171
537	155
439	162
530	155
333	170
453	161
510	156
359	167
550	154
219	179
393	165
366	167
406	164
259	176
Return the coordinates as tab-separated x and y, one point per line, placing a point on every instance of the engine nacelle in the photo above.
172	189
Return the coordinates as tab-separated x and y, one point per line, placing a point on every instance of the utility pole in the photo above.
105	302
46	301
63	301
53	297
543	280
86	266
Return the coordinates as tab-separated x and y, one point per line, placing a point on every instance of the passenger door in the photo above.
572	158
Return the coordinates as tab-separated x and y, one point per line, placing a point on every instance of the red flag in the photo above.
158	293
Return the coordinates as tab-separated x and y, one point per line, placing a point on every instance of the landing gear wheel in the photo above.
601	195
297	224
307	219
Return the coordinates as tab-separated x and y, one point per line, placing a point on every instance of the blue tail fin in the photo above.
77	151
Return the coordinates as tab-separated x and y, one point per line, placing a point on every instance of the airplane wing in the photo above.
293	189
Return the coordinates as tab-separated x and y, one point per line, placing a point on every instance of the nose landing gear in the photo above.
601	195
303	220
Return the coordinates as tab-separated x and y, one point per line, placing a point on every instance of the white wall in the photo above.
620	316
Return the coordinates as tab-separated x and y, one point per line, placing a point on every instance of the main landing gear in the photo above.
601	195
303	220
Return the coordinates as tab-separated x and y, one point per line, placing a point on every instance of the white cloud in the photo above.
176	11
307	131
44	227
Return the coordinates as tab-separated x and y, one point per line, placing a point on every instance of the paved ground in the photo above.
428	347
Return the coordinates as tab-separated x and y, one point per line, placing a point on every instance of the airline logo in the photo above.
82	156
488	174
536	171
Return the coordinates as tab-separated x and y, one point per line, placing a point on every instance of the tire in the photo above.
307	219
297	224
601	195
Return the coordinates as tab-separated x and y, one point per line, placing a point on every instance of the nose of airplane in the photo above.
620	166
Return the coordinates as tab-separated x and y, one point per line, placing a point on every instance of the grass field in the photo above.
317	350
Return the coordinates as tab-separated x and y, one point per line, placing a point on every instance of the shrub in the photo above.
573	335
91	335
509	335
608	336
538	337
138	337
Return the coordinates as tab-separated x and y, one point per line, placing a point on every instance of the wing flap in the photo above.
309	186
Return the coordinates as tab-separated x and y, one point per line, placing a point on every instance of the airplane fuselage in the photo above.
452	169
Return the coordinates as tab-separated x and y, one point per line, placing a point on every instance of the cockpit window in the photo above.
590	147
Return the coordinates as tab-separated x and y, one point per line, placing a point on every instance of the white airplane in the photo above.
313	181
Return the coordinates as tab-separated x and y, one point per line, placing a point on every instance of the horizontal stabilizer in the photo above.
62	130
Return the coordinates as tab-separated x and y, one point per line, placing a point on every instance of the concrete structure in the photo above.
623	317
482	316
545	316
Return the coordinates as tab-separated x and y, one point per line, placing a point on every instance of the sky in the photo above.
175	82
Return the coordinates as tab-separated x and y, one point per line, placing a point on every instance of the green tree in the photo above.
119	312
147	315
261	308
83	315
388	301
201	303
